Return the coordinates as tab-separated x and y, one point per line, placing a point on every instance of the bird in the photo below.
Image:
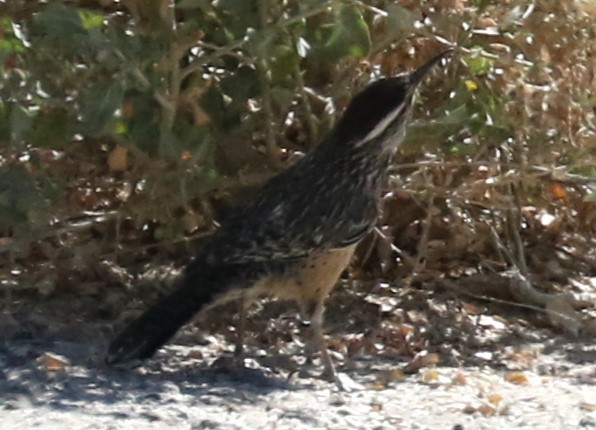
298	234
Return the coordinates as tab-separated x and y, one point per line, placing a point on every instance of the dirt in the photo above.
57	380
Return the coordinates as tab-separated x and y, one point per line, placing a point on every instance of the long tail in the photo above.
199	287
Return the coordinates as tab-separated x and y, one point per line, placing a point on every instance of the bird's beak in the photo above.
419	74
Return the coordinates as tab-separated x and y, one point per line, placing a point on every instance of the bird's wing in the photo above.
297	212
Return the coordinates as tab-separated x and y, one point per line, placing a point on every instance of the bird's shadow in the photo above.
25	381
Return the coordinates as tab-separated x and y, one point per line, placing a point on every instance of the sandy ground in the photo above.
179	391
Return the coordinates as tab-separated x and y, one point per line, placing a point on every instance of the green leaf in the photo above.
97	107
60	29
24	199
239	7
59	21
350	35
478	65
169	145
282	98
143	125
191	136
4	124
237	16
400	19
494	133
461	148
121	127
193	4
242	85
20	123
90	19
590	196
50	129
9	42
588	171
456	116
224	116
284	61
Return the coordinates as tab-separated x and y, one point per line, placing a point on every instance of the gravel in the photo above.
72	389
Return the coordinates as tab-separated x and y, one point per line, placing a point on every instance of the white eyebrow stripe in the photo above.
382	126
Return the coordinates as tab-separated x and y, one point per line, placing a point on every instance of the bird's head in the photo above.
381	111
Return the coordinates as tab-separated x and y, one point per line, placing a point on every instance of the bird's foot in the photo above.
343	382
228	363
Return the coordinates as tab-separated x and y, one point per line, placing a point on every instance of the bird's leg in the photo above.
318	341
307	333
240	330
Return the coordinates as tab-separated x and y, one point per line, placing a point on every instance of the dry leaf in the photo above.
377	385
192	221
430	375
406	329
459	379
557	190
425	360
53	362
523	358
186	155
469	409
487	22
394	374
376	407
471	308
487	410
385	377
128	110
495	399
518	378
195	354
118	159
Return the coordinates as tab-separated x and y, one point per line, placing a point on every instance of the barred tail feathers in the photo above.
198	288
